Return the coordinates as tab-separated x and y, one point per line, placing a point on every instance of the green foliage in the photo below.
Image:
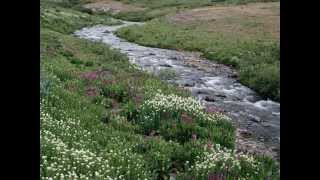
130	110
158	156
115	91
101	100
179	119
264	78
182	132
88	63
185	156
76	61
66	20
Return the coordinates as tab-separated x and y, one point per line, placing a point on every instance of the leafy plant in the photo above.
116	91
89	63
130	110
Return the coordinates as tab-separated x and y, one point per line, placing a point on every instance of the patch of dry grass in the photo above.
255	20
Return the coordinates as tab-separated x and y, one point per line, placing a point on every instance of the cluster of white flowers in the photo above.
68	152
217	159
174	103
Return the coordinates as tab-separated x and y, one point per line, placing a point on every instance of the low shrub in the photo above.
115	91
89	63
182	132
129	110
76	61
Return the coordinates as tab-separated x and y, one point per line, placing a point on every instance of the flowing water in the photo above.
214	84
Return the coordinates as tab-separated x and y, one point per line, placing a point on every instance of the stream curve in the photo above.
214	84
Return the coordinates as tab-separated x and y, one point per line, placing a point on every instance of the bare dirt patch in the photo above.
251	19
113	7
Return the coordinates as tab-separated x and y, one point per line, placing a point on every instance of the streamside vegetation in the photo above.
244	37
102	118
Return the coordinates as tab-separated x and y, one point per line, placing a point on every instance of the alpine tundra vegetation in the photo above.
103	118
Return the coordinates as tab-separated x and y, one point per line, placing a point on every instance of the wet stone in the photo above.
245	133
265	125
209	99
165	65
188	84
202	91
252	98
221	95
233	75
255	119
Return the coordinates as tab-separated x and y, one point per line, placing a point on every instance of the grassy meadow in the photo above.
244	37
102	118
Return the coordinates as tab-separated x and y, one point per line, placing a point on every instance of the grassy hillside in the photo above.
245	37
102	118
156	8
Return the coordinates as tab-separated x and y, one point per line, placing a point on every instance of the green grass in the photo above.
185	3
67	20
91	114
256	59
156	8
145	15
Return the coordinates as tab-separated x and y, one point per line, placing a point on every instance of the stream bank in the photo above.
215	85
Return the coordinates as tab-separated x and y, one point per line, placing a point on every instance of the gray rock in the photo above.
209	99
165	65
245	133
255	119
189	84
265	125
233	75
221	95
203	91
